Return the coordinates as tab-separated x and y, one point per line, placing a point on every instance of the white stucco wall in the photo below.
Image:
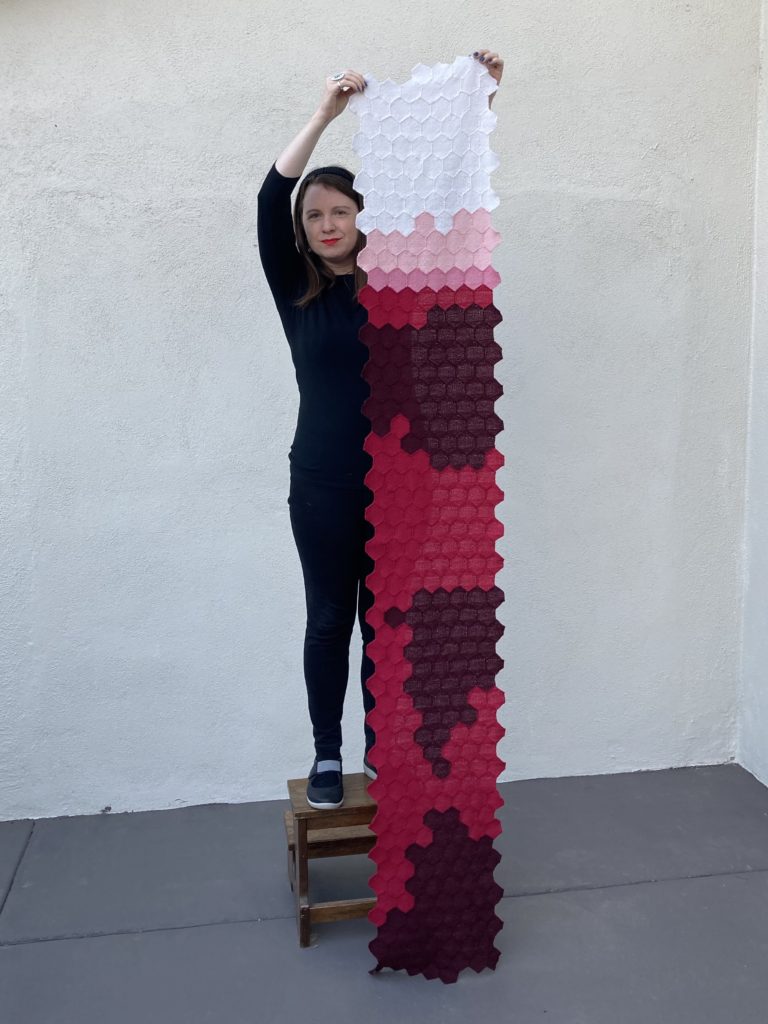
752	749
152	604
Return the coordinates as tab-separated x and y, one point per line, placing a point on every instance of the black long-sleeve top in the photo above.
327	354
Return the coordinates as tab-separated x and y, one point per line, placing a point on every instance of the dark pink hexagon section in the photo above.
452	923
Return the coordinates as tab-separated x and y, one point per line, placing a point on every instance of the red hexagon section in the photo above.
407	306
434	614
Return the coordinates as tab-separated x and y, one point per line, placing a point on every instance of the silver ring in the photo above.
337	77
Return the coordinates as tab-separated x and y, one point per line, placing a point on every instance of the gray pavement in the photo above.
634	898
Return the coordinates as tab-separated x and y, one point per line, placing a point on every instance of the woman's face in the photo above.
328	217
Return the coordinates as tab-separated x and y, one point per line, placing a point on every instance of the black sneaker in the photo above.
325	787
368	768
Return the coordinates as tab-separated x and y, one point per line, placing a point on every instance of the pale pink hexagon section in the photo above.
427	258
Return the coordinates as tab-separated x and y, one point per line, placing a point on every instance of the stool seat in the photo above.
312	833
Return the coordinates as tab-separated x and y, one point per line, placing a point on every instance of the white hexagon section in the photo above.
424	146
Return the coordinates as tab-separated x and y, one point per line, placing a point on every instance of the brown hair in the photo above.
318	276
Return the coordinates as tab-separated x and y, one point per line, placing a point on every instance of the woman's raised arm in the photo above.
294	157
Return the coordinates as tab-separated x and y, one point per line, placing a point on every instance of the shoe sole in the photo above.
370	772
324	806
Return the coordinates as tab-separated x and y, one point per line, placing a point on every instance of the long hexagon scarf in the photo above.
425	178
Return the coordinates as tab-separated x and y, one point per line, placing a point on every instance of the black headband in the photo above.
342	172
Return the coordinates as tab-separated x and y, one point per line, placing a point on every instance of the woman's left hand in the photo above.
492	61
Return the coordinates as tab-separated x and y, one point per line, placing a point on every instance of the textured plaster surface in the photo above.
151	621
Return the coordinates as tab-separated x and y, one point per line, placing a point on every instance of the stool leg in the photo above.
302	880
291	867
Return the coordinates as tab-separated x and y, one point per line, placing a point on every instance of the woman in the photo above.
309	261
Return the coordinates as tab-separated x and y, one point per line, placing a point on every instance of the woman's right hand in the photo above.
337	94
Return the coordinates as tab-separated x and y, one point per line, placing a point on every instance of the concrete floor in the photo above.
637	898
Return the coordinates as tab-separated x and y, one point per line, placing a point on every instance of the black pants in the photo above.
330	531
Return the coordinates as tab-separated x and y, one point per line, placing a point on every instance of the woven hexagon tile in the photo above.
425	178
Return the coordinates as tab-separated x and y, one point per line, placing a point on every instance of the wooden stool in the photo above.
331	833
